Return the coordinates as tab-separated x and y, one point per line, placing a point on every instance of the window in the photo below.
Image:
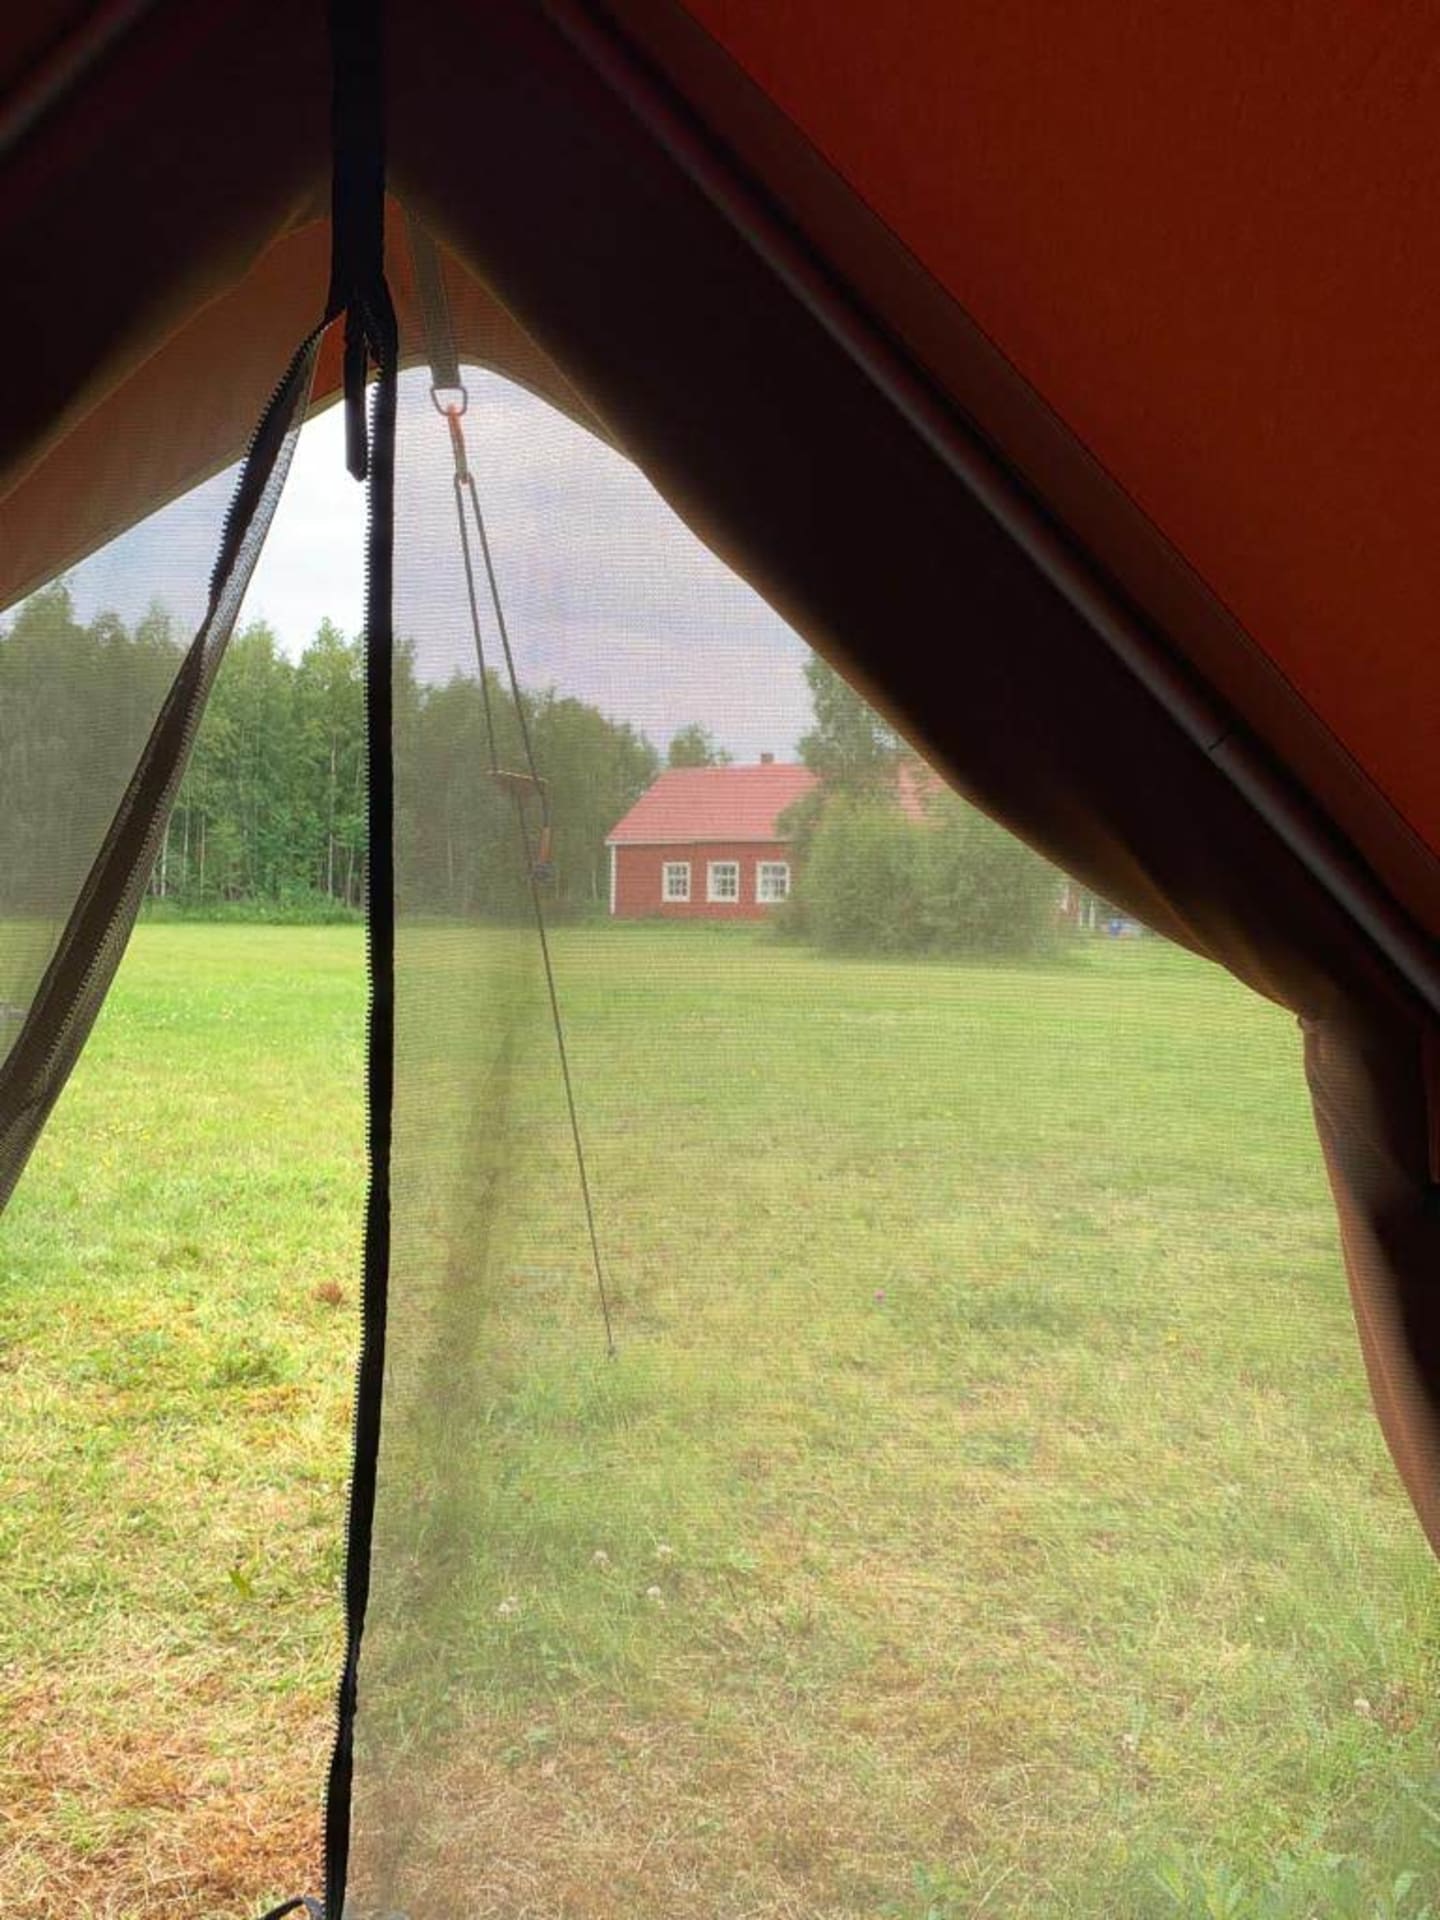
675	880
772	881
724	880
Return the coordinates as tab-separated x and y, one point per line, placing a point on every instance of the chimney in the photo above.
767	759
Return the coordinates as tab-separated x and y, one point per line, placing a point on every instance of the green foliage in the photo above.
850	748
982	890
863	880
694	746
272	808
876	881
270	820
1294	1884
461	851
76	703
799	824
301	907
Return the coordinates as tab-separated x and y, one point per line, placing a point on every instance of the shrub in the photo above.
799	825
297	907
875	881
984	891
863	880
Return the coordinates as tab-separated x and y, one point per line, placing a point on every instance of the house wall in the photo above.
637	880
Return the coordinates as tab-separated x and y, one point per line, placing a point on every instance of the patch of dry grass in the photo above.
180	1794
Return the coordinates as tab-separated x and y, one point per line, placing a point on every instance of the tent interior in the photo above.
927	1407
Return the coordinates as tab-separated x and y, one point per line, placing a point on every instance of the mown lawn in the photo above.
983	1515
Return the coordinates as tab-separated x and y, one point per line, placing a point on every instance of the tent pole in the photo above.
68	63
1219	733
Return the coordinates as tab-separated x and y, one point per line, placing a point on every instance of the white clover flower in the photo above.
664	1551
600	1558
1362	1706
508	1608
655	1594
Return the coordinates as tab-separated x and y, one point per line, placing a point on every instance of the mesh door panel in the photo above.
98	719
87	663
933	1542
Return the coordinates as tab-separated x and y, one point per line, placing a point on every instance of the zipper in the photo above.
379	1084
358	290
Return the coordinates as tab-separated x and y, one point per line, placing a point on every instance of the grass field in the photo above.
989	1515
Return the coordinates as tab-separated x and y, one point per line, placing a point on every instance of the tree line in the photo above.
271	815
76	703
271	812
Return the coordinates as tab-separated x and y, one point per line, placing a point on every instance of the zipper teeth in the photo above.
232	531
369	1363
234	528
351	1624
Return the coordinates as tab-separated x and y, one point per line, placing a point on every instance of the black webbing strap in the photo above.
357	208
434	310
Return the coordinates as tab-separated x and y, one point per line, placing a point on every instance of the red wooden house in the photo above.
704	843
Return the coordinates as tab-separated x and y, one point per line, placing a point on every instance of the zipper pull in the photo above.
357	360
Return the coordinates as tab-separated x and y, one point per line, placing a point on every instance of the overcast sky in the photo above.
609	596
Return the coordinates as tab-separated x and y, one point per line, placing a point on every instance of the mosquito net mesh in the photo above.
84	684
98	722
953	1525
872	1421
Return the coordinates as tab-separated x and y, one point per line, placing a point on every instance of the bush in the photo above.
875	881
984	891
799	825
863	891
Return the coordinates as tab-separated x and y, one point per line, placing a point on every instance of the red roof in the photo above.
689	804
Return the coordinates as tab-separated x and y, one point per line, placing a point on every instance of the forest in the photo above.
271	814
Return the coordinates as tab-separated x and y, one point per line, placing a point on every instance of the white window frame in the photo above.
667	868
715	899
762	867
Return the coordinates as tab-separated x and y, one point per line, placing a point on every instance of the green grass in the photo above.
987	1418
